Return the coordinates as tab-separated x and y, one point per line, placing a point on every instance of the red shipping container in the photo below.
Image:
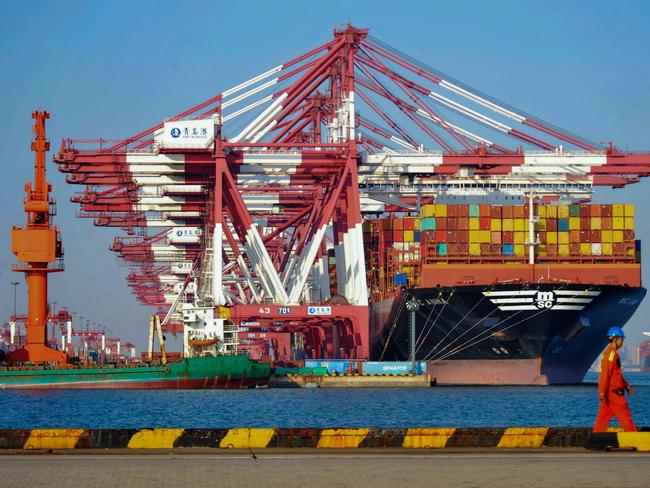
606	210
484	223
542	237
619	248
585	236
441	236
584	211
485	248
427	235
585	222
452	236
628	235
452	210
484	210
495	237
386	224
596	210
508	237
594	236
495	249
507	212
574	249
462	249
463	236
574	236
551	249
387	235
495	212
518	212
408	224
463	210
441	223
463	223
398	236
452	223
606	222
452	249
398	224
551	225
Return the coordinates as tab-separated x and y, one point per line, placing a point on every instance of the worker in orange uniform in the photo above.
612	386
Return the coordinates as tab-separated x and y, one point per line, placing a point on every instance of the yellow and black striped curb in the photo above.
259	438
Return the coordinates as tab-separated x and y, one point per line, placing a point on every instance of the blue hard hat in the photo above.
615	332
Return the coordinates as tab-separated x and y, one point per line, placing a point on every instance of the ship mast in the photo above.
36	246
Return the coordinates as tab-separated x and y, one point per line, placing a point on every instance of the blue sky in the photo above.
110	69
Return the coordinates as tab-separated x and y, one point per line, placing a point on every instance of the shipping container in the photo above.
393	367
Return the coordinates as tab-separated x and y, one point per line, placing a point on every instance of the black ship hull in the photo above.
505	334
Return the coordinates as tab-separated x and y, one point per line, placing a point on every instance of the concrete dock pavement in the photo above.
372	468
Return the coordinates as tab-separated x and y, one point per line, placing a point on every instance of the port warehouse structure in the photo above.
261	226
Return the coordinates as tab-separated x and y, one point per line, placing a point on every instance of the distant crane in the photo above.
36	246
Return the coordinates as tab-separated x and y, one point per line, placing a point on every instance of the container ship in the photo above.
507	294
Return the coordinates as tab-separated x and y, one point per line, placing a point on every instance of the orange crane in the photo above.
37	246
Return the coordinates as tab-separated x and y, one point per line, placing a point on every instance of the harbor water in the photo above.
461	406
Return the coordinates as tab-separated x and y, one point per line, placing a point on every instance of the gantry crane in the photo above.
37	246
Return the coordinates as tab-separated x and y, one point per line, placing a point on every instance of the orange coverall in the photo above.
612	405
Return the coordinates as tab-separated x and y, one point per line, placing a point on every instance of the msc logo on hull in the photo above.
545	299
541	300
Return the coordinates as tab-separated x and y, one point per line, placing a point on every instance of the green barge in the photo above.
190	373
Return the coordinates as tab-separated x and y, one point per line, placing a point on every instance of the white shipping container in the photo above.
184	235
596	249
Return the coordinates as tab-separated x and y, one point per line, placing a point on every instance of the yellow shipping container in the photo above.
416	224
574	223
519	225
617	236
541	224
520	237
563	212
618	223
541	250
629	210
520	249
428	210
608	249
563	238
631	251
596	223
507	225
585	248
607	236
563	249
551	212
441	210
551	238
474	236
409	236
485	236
629	223
495	225
541	211
474	249
618	210
474	223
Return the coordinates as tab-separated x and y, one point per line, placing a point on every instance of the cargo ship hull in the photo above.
189	373
504	334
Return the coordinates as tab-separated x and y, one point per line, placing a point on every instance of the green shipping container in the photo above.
574	211
474	210
428	223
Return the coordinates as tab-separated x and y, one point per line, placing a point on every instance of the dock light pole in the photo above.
15	284
412	306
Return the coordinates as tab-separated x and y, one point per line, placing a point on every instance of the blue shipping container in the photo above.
508	250
441	249
333	365
393	367
563	225
400	280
